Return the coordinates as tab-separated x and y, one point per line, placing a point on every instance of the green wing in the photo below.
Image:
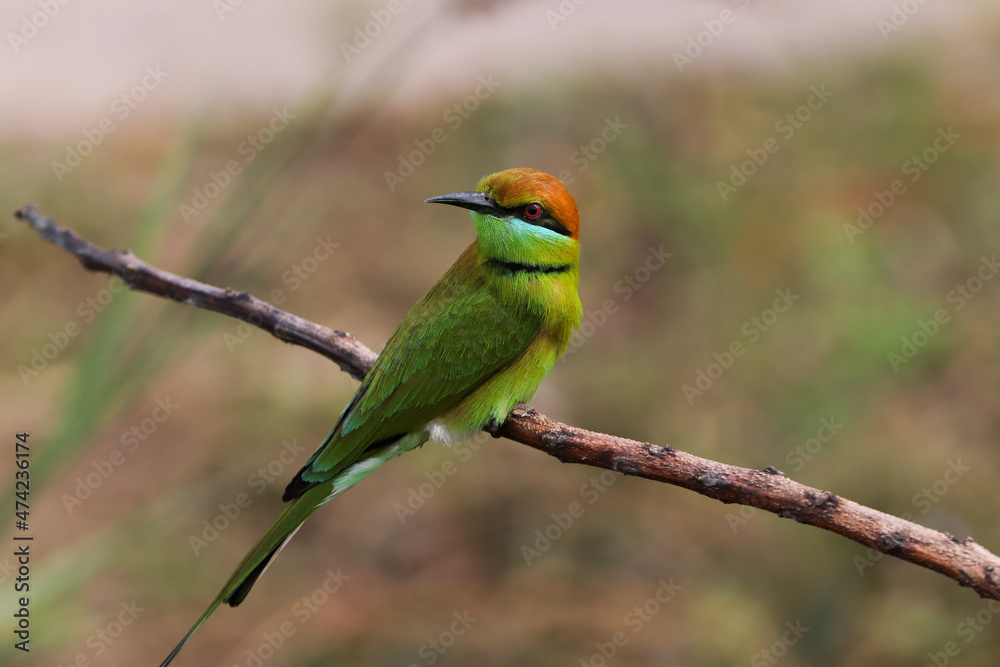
455	338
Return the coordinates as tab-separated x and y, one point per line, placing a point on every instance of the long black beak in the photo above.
474	201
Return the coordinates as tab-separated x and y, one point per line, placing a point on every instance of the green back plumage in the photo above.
454	339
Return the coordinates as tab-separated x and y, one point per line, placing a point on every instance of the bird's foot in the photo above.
493	427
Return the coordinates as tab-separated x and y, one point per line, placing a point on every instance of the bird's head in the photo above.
520	213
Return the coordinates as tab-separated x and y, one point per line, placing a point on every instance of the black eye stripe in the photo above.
553	224
544	220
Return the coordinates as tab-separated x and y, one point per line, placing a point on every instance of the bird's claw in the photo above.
493	428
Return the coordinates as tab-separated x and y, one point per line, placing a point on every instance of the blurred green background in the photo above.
824	180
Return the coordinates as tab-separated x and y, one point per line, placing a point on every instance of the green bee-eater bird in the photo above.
473	348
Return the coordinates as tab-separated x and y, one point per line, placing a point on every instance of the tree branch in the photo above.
965	561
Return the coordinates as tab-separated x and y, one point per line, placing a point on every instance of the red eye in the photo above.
533	211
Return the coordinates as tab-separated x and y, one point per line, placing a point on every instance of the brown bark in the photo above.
965	561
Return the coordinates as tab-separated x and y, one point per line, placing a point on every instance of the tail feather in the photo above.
240	592
256	561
